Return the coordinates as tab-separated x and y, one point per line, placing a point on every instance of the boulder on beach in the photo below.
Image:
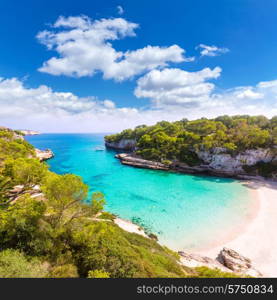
237	263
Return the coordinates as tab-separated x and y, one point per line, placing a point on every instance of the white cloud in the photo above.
191	95
109	104
272	85
175	94
248	93
15	97
175	86
84	48
211	50
43	108
148	58
120	10
252	100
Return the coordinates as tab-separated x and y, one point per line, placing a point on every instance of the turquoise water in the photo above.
186	212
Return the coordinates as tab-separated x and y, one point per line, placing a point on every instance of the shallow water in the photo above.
186	212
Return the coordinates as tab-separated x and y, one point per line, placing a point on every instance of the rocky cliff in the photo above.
131	160
217	161
29	132
228	260
43	155
125	144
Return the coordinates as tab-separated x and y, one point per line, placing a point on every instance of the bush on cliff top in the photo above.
181	140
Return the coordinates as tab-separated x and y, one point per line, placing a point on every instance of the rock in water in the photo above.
134	161
237	263
44	154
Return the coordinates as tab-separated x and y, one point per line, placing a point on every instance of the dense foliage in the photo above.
14	264
181	140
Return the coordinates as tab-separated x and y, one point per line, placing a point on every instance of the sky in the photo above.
104	66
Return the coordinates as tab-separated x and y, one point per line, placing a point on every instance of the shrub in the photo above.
104	246
64	271
205	272
98	274
14	264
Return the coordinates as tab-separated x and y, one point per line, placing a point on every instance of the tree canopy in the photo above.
181	140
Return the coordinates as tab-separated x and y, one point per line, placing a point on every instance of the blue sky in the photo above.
91	66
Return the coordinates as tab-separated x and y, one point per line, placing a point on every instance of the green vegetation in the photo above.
15	264
56	234
204	272
47	230
181	140
98	274
262	168
27	171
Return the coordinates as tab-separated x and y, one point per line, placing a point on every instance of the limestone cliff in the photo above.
216	161
124	144
220	159
43	155
29	132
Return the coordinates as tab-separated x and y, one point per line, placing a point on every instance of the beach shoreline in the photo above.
129	226
256	238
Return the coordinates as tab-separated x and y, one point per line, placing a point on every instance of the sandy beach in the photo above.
257	239
129	226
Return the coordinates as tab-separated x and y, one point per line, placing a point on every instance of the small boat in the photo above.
99	148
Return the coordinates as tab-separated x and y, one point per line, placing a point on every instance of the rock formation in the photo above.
215	162
237	263
228	260
124	144
129	159
219	159
44	154
195	260
29	132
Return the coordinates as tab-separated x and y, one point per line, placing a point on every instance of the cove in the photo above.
184	211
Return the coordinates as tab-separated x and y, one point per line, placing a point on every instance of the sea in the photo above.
186	212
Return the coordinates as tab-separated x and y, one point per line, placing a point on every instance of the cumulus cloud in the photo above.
211	50
120	10
253	100
42	108
16	98
192	95
248	93
271	85
175	94
85	47
175	86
